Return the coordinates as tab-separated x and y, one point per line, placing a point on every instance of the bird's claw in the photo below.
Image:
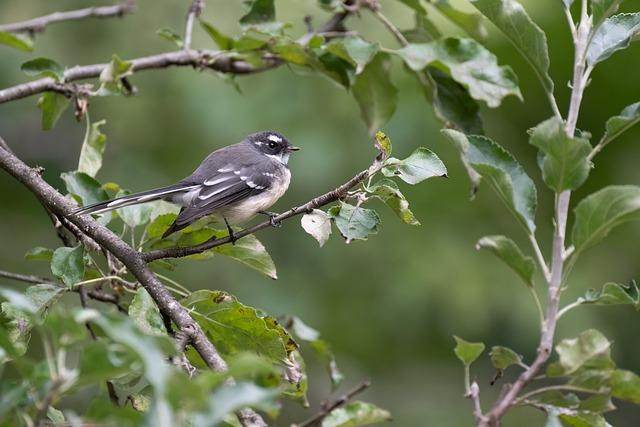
272	218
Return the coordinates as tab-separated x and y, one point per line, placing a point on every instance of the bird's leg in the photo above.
232	237
272	218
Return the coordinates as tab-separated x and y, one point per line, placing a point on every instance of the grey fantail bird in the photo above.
233	184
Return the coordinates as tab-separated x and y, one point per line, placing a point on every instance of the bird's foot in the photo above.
232	236
272	218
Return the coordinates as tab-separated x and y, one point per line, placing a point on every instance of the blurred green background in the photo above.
389	306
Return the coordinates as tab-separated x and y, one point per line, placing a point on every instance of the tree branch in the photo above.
326	198
40	23
132	259
327	408
194	11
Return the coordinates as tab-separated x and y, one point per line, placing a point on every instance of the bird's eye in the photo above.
271	145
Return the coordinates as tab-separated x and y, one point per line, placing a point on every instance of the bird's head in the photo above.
272	144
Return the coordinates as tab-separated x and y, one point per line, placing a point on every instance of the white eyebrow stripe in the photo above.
218	180
219	190
274	138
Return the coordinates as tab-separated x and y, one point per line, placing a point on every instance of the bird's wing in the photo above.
228	185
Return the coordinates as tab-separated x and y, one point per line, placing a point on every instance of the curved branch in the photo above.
40	23
326	198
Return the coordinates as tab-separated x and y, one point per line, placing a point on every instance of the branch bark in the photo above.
39	24
194	11
132	259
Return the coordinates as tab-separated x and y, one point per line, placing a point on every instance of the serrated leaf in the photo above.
251	252
614	34
468	63
172	36
52	104
565	163
388	191
223	41
354	50
93	145
626	385
471	23
528	38
318	225
43	67
453	104
503	357
601	9
260	11
17	41
603	210
574	353
234	327
354	222
67	264
39	253
467	351
375	94
145	314
617	125
420	165
507	250
356	413
305	333
87	189
614	294
134	215
492	162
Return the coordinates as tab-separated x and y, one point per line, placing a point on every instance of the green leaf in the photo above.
260	11
468	63
453	104
52	104
39	253
575	353
601	9
223	41
354	414
615	33
172	36
17	41
527	37
354	222
492	162
619	124
388	191
503	357
305	333
614	294
292	52
603	210
383	144
420	165
354	50
318	225
156	228
467	351
375	94
584	419
87	190
234	327
145	314
134	215
507	250
90	160
112	74
67	264
565	165
43	67
251	252
626	385
471	23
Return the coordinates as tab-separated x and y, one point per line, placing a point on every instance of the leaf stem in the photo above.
569	307
563	387
538	305
540	258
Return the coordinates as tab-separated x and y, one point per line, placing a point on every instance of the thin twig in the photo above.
194	11
563	387
474	395
327	408
40	23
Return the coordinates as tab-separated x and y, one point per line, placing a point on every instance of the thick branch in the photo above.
326	198
40	23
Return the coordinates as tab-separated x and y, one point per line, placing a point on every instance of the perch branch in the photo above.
39	24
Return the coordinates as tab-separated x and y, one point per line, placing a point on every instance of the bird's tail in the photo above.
134	199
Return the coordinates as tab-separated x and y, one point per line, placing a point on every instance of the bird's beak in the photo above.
292	148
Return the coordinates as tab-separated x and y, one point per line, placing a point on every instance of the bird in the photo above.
232	184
